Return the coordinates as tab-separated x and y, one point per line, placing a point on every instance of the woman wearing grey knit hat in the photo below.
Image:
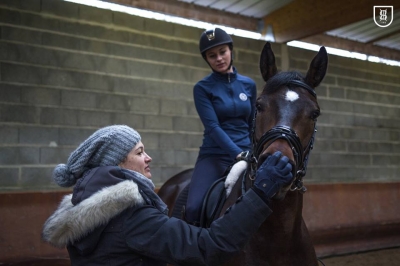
114	217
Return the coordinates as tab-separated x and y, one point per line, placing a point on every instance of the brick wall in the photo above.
68	69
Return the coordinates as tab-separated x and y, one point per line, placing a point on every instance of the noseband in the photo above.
290	136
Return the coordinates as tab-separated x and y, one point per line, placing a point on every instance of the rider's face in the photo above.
137	160
219	58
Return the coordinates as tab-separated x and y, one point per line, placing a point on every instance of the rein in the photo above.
286	133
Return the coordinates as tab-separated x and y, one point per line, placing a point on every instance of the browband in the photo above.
304	86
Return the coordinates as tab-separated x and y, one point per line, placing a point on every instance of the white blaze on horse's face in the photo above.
291	96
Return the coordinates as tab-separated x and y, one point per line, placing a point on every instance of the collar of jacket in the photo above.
69	223
226	77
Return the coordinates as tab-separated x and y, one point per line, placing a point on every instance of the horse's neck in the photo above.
283	238
288	210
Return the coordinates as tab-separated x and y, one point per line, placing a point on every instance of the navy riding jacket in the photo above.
226	106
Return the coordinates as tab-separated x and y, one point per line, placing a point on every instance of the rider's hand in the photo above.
244	155
273	174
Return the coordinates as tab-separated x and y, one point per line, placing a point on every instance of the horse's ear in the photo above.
318	67
267	62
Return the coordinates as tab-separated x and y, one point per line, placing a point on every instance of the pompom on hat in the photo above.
107	146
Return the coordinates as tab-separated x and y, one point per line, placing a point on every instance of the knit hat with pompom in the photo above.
107	146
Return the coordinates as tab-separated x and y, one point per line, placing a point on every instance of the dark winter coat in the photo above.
112	222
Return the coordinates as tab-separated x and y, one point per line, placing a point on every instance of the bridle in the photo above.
288	134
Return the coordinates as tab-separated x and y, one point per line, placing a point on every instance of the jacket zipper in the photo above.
231	92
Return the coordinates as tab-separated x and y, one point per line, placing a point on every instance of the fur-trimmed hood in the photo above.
70	223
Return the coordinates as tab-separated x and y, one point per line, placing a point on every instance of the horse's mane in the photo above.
281	79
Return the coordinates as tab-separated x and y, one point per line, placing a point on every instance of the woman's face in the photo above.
137	160
219	58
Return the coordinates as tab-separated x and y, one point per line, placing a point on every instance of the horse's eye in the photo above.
315	114
260	105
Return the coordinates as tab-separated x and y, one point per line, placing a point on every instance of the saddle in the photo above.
221	195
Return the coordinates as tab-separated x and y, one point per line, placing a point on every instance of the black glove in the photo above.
274	173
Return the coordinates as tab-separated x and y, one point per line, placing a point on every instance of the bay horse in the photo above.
285	120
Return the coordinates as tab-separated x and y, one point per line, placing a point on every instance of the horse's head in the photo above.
287	111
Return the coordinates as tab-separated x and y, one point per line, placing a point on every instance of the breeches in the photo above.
206	171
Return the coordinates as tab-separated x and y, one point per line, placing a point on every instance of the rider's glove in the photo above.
274	173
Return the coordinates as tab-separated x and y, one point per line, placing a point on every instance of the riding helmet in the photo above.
212	38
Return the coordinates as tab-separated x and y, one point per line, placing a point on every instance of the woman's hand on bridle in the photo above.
272	175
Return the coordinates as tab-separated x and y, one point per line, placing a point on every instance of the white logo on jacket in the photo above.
243	96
